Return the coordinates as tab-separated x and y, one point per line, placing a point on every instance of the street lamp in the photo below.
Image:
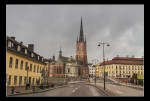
104	59
95	61
27	69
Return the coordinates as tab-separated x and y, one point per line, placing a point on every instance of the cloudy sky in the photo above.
49	26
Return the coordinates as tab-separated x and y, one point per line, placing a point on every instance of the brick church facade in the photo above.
81	53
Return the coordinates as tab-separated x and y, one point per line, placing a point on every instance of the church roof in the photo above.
62	60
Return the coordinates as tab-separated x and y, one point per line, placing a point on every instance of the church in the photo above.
67	66
81	53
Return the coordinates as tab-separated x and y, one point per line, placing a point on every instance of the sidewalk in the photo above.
128	85
30	91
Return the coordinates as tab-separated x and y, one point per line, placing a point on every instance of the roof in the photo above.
124	60
22	51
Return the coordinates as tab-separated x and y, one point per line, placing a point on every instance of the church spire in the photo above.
81	37
60	52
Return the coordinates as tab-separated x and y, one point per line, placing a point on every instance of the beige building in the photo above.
71	69
122	67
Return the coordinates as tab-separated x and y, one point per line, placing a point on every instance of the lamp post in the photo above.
27	69
95	61
104	59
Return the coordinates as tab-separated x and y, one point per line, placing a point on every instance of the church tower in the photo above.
81	53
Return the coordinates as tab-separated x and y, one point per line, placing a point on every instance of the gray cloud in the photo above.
49	26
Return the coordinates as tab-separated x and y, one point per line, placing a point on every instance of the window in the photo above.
25	51
16	65
132	68
60	70
30	67
135	67
34	68
15	80
40	68
25	79
10	62
18	48
9	44
21	65
57	70
33	81
26	65
119	67
32	55
12	44
116	67
37	69
141	68
9	80
20	80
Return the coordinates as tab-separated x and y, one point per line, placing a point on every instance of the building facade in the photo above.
122	67
81	53
23	65
92	70
71	69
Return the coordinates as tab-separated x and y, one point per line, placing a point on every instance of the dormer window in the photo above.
18	48
32	55
9	44
25	51
12	44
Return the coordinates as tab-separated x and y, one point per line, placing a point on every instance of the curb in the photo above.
106	92
40	91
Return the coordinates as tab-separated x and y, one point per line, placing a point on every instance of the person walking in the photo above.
13	89
33	88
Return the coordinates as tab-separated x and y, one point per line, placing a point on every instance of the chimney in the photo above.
31	47
107	59
21	42
126	56
132	56
142	56
13	37
117	55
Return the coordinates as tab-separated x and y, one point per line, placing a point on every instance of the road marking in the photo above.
87	86
71	86
118	92
75	89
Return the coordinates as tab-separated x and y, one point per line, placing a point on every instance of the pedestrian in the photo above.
13	89
33	88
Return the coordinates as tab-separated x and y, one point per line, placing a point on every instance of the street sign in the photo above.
140	76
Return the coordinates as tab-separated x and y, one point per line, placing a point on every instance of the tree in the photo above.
134	77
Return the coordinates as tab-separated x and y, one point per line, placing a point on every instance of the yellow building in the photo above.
18	58
122	67
97	70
